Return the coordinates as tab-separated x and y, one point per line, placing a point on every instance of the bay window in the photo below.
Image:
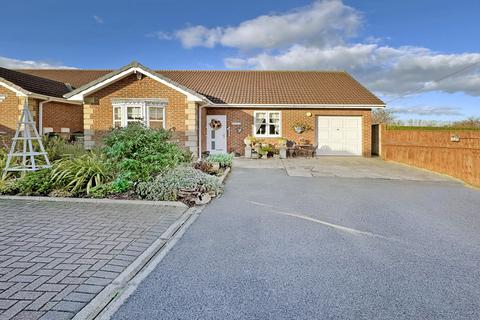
267	123
150	112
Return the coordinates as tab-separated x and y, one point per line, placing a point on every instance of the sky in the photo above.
398	49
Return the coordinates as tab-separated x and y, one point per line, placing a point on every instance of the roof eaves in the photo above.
15	87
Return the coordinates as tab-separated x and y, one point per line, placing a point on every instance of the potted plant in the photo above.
301	127
282	147
249	140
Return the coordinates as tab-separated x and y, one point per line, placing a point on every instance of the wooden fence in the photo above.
452	152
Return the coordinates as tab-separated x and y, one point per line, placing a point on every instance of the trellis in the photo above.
24	145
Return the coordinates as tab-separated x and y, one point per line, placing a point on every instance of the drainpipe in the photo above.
200	130
40	116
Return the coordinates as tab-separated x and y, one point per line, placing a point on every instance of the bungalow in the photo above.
207	110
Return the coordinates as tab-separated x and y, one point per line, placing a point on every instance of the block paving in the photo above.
55	257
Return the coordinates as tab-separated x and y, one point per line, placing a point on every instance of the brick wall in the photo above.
433	150
99	113
8	111
59	115
289	117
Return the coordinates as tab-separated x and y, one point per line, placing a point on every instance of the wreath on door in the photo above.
215	124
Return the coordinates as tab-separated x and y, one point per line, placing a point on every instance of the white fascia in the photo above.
79	96
18	91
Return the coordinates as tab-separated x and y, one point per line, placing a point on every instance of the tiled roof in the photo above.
250	87
34	84
75	77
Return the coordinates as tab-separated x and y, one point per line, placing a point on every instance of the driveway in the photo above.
56	256
281	247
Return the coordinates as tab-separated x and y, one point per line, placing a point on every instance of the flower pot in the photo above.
299	129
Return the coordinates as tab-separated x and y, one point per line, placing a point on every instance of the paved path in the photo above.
281	247
56	256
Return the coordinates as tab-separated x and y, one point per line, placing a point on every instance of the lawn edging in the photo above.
103	200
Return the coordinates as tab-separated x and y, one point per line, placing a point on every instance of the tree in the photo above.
383	115
471	122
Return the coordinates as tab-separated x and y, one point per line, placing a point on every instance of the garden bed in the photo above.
135	163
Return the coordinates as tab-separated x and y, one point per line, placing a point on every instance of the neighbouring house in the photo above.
208	111
50	110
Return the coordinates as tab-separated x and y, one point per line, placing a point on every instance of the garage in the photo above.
338	135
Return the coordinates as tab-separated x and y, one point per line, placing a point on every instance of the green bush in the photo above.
166	186
138	152
3	159
35	183
8	186
79	175
224	159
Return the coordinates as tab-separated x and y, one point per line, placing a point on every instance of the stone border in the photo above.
90	200
224	175
107	302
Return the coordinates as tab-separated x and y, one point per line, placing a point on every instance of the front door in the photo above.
217	134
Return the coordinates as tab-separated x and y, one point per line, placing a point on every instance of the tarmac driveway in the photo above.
283	247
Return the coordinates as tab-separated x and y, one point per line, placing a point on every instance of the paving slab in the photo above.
56	256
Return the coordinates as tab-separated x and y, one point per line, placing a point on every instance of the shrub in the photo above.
139	152
168	185
224	159
8	186
79	175
58	147
34	183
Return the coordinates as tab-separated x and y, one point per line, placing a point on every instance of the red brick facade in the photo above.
8	111
128	88
289	117
59	115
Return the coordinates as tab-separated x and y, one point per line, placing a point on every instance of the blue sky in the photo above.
396	48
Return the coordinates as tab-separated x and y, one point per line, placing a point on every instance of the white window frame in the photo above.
144	110
267	112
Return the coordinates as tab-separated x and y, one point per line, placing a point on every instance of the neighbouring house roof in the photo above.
246	87
28	83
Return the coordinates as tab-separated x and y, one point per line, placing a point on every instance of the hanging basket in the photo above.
215	124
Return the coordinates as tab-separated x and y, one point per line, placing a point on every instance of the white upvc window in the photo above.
149	112
267	124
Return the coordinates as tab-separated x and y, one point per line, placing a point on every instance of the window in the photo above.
155	115
267	123
150	112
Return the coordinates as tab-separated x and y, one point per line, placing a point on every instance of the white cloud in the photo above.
428	111
199	36
10	63
98	19
322	23
160	35
319	36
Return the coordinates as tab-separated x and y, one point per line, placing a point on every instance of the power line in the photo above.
438	80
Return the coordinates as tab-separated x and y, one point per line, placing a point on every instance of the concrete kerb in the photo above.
113	296
107	201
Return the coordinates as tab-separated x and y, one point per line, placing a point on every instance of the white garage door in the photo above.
339	136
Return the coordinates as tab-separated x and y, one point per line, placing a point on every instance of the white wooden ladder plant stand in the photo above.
24	139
